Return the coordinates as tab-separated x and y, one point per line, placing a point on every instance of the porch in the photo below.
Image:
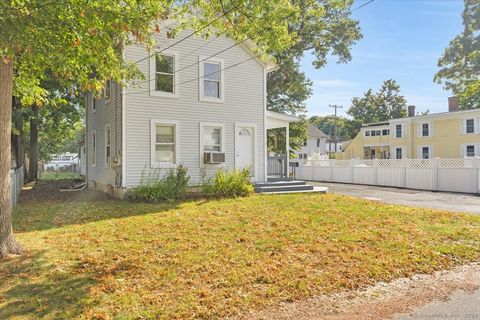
376	152
278	145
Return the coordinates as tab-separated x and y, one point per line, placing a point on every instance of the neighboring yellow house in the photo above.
453	134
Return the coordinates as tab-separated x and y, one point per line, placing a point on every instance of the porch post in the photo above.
287	150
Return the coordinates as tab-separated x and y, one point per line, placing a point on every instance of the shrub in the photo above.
172	186
229	184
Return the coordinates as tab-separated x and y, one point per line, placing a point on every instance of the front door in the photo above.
244	148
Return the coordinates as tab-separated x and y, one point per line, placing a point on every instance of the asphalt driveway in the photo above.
414	198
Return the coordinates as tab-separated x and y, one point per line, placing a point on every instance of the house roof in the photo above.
269	64
313	131
281	116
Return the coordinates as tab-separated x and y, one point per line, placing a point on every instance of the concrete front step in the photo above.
281	184
284	188
322	190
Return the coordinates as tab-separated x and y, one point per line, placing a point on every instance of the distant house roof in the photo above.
314	132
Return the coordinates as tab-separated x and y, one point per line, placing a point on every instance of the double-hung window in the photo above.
212	139
318	143
425	130
425	153
107	90
94	149
163	74
164	143
211	80
367	133
108	145
399	153
470	150
470	126
398	131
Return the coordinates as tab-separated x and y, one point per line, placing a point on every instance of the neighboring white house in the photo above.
202	105
314	144
62	161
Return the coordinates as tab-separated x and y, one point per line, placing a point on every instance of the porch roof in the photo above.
279	120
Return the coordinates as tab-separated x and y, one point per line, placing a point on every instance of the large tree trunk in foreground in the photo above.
8	244
33	167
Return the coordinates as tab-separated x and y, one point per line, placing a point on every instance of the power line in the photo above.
363	5
191	34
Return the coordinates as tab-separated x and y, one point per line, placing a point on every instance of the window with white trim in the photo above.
425	153
425	130
398	131
107	90
212	138
164	143
470	126
93	158
398	153
318	143
367	133
164	73
108	145
211	80
470	150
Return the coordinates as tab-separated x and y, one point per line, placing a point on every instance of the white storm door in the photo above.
245	148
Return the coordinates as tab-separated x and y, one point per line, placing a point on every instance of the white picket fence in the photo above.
16	178
454	175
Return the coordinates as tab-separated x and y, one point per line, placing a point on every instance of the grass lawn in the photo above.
97	258
58	175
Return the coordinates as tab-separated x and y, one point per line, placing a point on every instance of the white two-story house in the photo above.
314	144
202	104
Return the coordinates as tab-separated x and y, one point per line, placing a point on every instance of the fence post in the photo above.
436	163
476	174
353	163
404	172
375	165
332	168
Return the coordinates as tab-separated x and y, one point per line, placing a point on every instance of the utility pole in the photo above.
334	126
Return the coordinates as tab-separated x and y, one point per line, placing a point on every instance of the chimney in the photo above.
411	111
452	104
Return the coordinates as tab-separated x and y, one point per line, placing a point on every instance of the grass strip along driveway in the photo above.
103	259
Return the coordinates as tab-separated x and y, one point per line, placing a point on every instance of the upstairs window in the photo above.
164	73
470	126
398	131
107	90
367	133
305	142
425	130
385	132
211	80
318	143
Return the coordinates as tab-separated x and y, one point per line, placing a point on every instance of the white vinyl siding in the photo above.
244	102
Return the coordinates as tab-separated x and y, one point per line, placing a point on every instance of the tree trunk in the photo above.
8	244
33	167
18	143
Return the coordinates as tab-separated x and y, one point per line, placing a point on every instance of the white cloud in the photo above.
333	83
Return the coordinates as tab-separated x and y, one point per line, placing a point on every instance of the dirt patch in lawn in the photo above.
51	190
380	301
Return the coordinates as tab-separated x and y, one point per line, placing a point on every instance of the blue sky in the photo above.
402	40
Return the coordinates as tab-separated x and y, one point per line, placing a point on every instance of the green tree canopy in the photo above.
383	105
460	63
345	130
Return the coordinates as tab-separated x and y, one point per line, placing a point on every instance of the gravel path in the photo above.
400	299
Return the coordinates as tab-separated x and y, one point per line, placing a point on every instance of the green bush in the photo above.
234	183
153	187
